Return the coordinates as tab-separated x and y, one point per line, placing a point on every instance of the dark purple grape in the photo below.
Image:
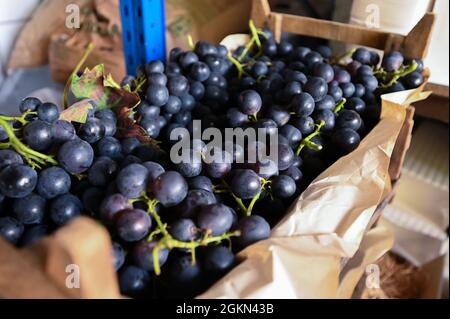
336	92
278	115
374	58
304	124
18	181
294	172
392	61
397	87
62	131
133	225
349	119
65	208
312	58
324	71
112	205
10	229
412	80
362	55
299	53
102	172
284	48
217	260
250	102
38	135
197	90
356	104
292	134
346	139
154	170
92	198
29	104
173	105
316	87
348	89
92	131
184	230
236	118
48	112
327	103
201	183
184	276
303	104
246	184
216	219
253	229
170	188
118	255
53	181
151	126
9	157
109	147
199	71
30	209
129	145
283	186
145	110
342	76
360	90
132	180
142	255
370	82
134	281
157	95
218	166
195	199
285	157
270	48
177	85
324	51
328	117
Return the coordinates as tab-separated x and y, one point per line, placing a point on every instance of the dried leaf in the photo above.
79	111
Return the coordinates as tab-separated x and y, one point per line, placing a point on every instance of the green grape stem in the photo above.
33	158
395	76
307	141
168	242
238	65
340	106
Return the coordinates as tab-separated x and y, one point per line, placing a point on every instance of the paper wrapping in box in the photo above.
326	225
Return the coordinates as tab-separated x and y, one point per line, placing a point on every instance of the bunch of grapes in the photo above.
176	227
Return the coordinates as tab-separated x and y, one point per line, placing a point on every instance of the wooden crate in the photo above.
41	271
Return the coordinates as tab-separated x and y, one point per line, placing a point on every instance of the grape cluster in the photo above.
187	220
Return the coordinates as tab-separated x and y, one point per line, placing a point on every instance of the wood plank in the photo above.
435	107
418	41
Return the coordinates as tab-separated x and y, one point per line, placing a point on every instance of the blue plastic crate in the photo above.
144	32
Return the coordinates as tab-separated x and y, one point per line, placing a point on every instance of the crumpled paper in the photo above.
322	246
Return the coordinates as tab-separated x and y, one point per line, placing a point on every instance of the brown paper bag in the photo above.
102	28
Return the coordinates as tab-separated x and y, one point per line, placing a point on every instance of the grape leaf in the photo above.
78	112
106	93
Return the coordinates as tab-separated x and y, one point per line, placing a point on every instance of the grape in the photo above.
270	48
199	71
30	209
283	186
184	230
392	61
48	112
303	104
76	156
327	103
134	281
324	51
62	131
217	260
362	55
17	181
142	255
219	164
197	90
246	184
53	181
110	127
157	95
102	172
151	126
130	159
312	58
34	234
316	87
304	124
349	119
236	118
194	200
360	90
92	131
412	80
201	183
348	89
129	145
215	218
278	115
326	116
249	102
342	76
29	104
347	139
10	229
285	48
92	198
292	134
9	157
294	173
106	114
157	78
173	105
132	180
397	87
118	255
38	135
154	67
184	275
285	157
145	110
323	70
356	104
353	68
65	208
178	85
133	225
370	82
112	205
252	229
109	147
170	188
